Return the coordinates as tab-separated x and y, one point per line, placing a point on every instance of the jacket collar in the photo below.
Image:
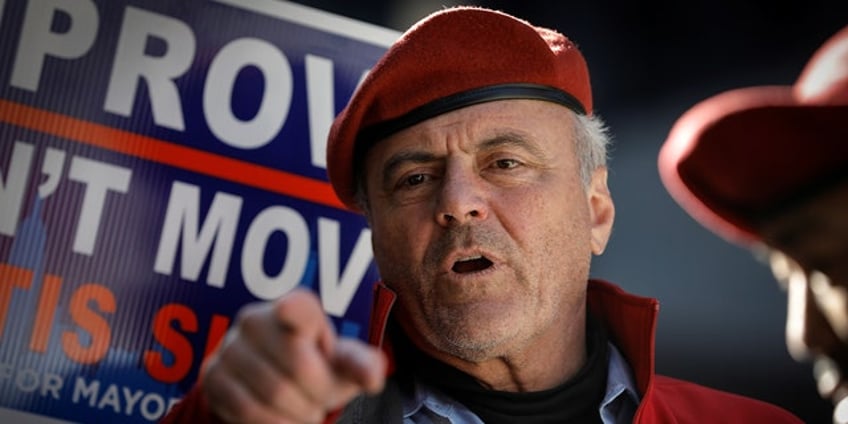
630	320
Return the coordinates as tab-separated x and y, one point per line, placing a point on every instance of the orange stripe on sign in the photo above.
168	153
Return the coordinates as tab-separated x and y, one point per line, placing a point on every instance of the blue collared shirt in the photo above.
427	405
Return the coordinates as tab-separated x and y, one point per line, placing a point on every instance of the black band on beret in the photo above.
511	91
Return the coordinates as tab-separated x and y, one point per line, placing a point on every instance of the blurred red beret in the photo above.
451	59
745	154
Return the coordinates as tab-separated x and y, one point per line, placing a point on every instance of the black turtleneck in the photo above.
575	401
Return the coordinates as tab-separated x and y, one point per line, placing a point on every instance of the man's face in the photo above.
483	227
811	259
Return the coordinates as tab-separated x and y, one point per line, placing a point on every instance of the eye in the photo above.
412	180
506	163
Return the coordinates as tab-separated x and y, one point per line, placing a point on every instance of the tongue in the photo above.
472	265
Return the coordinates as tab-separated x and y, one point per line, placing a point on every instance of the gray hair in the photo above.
592	140
591	137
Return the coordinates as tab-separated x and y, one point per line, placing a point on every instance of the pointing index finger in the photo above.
300	314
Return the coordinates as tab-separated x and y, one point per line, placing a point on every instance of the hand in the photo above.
282	362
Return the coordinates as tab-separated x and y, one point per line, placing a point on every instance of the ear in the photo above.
601	210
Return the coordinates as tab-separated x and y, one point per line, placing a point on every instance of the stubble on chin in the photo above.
475	332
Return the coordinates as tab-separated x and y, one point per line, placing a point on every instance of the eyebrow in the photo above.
511	138
413	156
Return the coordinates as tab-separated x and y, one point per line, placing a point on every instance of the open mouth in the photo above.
471	264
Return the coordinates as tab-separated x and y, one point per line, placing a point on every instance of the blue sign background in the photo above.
54	295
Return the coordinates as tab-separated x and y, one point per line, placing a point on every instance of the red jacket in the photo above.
631	322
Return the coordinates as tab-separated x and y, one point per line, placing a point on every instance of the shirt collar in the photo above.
622	397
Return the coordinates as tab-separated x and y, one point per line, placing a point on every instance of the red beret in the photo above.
453	58
746	154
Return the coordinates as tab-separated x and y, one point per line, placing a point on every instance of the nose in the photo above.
808	332
461	198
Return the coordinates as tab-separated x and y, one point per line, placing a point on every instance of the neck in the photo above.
575	400
549	359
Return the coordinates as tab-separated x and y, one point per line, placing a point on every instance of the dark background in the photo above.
722	315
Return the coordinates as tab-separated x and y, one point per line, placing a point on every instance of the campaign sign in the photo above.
162	163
